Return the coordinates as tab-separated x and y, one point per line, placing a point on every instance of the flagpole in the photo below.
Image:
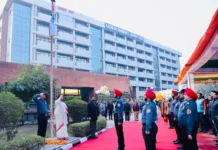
51	71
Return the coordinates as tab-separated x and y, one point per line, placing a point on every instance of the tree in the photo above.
31	80
11	111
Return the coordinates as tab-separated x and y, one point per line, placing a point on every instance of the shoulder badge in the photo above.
148	110
188	111
118	105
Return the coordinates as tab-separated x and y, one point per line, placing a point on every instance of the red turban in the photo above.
174	92
118	92
150	94
190	93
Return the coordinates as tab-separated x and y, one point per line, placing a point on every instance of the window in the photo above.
175	76
120	46
121	56
129	40
140	61
139	43
109	33
43	38
170	83
62	56
162	66
169	75
109	54
173	54
164	82
131	68
131	58
142	79
161	50
109	43
42	24
63	17
163	74
140	52
173	61
149	71
43	53
82	59
120	36
148	54
167	52
81	23
110	65
174	69
162	58
168	67
168	60
130	49
82	48
132	78
64	30
43	11
147	45
63	43
142	88
141	70
121	67
150	80
82	35
149	62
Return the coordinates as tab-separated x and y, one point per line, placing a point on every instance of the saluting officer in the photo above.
175	119
149	116
118	119
188	121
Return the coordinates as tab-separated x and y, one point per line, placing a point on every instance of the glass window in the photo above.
142	79
149	62
121	67
110	65
131	58
150	80
109	32
142	88
132	68
149	71
132	78
130	49
164	82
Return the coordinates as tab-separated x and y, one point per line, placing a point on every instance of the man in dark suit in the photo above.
93	113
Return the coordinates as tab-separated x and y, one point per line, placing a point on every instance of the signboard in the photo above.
127	33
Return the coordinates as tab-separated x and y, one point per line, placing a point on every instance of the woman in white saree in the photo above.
61	120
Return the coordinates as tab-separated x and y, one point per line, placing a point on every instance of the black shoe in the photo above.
180	148
93	137
119	149
177	142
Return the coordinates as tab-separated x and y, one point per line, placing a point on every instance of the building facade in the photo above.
85	44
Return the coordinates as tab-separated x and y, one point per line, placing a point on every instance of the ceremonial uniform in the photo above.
118	118
171	116
149	116
188	121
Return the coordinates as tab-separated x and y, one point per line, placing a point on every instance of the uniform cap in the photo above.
118	92
150	94
174	92
182	91
190	93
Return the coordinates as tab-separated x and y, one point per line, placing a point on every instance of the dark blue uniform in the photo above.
188	122
175	114
214	115
118	117
149	116
171	115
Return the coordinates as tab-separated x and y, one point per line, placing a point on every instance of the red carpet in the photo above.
134	140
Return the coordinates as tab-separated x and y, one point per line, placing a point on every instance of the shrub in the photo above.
77	109
26	143
67	98
83	129
11	111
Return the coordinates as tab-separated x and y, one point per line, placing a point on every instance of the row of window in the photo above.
168	67
130	68
168	75
168	60
167	82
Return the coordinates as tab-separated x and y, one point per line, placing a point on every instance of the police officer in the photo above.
175	119
214	112
183	103
172	105
188	120
118	118
149	116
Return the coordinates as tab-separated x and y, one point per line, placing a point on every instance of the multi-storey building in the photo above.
85	44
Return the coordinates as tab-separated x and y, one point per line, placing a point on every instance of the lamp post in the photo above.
52	33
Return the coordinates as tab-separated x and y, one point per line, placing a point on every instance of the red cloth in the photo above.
150	94
118	92
190	93
205	102
174	92
135	107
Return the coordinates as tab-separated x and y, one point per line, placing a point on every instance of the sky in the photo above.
178	24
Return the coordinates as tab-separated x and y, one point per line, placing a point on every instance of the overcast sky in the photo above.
178	24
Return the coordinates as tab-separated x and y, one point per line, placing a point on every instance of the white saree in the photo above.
61	122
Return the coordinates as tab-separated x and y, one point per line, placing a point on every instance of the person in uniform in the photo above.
214	113
172	105
175	119
118	118
188	121
149	116
183	103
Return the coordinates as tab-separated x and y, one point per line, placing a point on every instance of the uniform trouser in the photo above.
206	122
177	128
215	124
200	120
127	115
119	130
110	115
211	123
189	144
150	139
42	124
171	119
92	127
